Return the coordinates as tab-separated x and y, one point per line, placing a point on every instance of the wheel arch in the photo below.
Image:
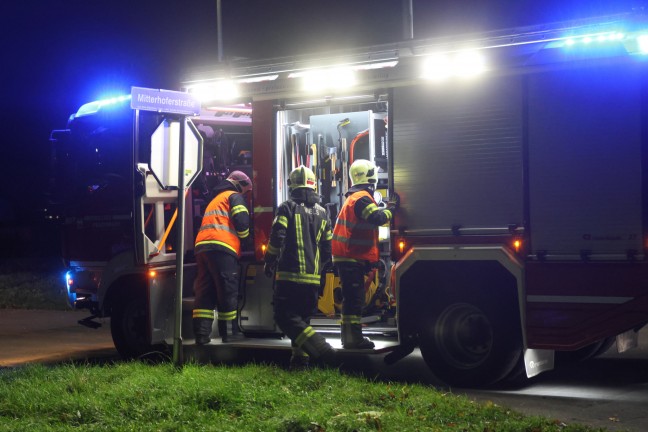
426	272
124	285
119	275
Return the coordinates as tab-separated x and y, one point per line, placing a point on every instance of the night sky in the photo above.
57	55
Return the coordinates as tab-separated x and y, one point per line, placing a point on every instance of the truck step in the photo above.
282	344
383	332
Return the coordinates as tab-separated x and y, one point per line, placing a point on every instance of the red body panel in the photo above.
570	305
262	167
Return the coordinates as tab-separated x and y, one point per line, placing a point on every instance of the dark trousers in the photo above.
294	306
353	291
217	281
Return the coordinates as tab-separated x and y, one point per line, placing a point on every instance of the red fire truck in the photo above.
519	157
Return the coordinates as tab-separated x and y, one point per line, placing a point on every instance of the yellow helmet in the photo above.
302	177
363	171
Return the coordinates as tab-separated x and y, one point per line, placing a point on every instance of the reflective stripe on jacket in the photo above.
300	239
217	226
354	238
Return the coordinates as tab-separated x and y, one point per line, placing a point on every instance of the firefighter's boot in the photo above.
229	331
352	337
202	328
299	359
315	345
330	358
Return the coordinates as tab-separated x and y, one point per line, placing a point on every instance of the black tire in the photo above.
516	378
588	352
129	329
605	346
469	345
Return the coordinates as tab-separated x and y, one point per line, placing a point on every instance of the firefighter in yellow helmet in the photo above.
355	247
218	246
300	245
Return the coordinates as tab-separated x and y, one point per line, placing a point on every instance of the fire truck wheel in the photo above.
468	345
128	326
564	358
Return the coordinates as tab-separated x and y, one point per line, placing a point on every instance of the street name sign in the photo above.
164	101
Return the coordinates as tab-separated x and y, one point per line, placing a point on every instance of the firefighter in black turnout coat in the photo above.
300	244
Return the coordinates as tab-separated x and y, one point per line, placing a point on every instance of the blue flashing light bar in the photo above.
591	38
634	43
95	106
642	42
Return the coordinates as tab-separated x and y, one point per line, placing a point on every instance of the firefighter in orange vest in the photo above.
355	247
218	246
300	245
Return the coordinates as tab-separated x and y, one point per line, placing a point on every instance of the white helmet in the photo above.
363	171
240	180
302	177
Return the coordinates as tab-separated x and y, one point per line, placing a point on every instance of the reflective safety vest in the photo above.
354	239
217	226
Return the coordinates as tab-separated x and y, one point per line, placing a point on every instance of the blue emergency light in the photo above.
95	106
598	38
605	39
71	289
642	41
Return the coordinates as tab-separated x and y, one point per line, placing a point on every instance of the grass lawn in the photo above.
158	397
35	283
144	397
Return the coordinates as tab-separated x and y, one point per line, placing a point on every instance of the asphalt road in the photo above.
45	336
608	392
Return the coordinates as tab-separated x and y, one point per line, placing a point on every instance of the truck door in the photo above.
156	198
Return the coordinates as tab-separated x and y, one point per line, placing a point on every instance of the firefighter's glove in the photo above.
394	203
269	269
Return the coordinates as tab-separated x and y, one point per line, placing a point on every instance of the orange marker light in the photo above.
401	246
152	273
517	245
263	248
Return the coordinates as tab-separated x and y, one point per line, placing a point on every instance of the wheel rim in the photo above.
463	336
